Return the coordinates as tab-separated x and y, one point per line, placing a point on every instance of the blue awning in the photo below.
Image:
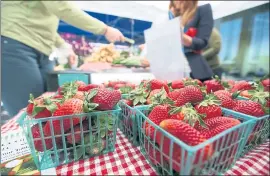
123	24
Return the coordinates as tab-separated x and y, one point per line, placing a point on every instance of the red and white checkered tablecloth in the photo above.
127	160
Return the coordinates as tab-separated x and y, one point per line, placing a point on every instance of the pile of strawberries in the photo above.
73	98
124	86
191	110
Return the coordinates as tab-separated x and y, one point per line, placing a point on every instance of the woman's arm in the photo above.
204	29
65	11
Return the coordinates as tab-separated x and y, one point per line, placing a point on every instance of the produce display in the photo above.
105	53
192	111
89	133
108	54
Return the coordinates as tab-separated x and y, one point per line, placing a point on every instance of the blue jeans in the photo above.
23	71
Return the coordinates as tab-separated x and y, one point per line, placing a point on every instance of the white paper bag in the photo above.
164	51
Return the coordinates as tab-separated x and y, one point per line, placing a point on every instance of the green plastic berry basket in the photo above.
127	122
75	137
260	132
174	157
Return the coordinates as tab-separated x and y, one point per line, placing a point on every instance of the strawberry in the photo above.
131	85
40	107
241	85
216	125
157	115
69	107
188	135
266	84
227	145
224	92
157	84
38	141
226	101
87	87
113	83
58	96
128	102
118	86
105	98
249	107
210	107
174	94
79	95
177	84
194	82
191	94
77	132
213	85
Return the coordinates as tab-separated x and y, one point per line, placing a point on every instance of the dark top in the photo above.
203	21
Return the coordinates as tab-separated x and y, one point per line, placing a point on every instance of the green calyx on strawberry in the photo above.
125	89
192	82
139	95
188	114
259	95
41	107
87	105
210	106
160	98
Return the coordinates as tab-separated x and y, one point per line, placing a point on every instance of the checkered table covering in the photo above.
127	160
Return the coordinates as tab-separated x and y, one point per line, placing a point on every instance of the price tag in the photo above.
164	51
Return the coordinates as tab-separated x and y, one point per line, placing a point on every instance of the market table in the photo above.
127	159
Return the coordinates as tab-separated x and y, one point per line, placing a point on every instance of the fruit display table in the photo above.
127	159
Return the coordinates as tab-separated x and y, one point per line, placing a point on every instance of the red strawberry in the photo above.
266	84
60	91
213	85
188	135
226	101
157	115
113	83
87	87
241	85
191	94
69	107
249	107
225	148
57	96
210	107
216	125
129	102
177	84
174	94
38	141
224	92
130	85
40	107
77	132
118	86
157	84
79	95
105	98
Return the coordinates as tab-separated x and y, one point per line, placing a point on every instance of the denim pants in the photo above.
23	71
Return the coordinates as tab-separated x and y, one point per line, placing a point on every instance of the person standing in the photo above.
197	24
28	36
210	53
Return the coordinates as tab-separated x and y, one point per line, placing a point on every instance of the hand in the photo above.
141	47
186	40
73	60
114	35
